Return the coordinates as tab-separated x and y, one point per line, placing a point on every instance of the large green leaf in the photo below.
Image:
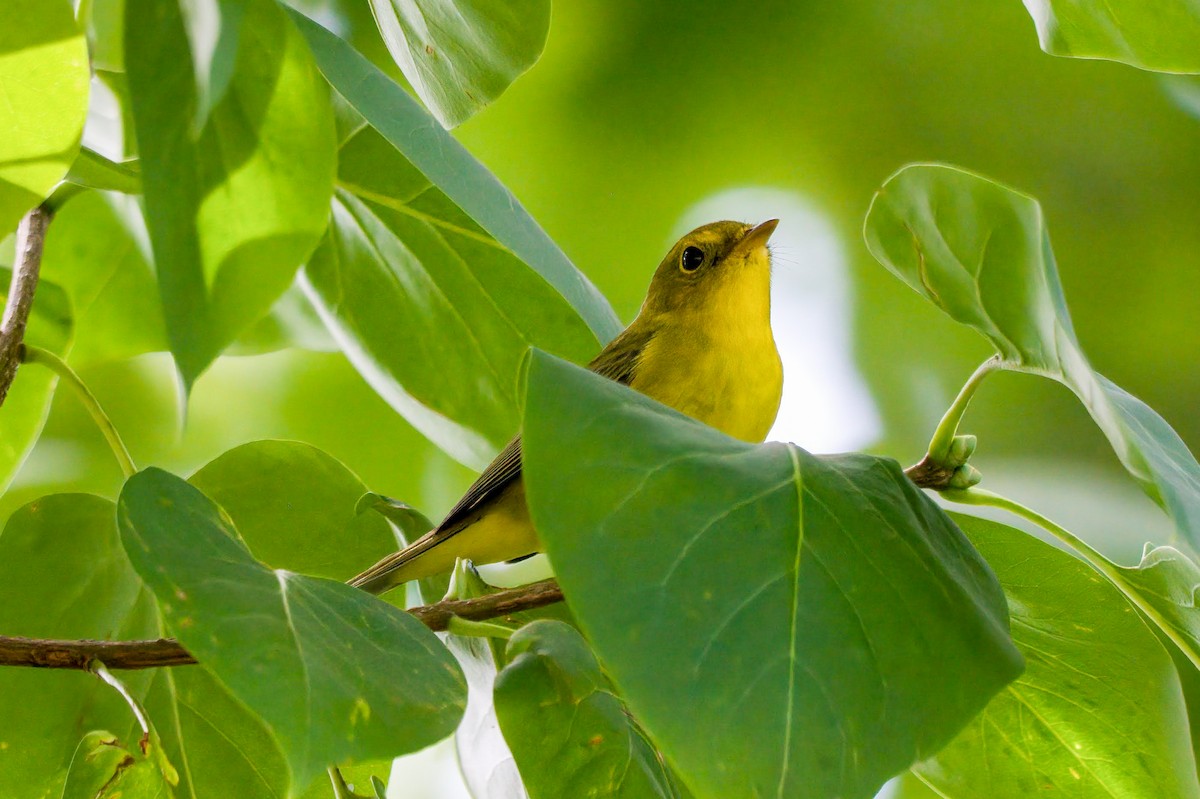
1161	35
980	252
333	673
447	165
25	408
295	508
217	746
465	308
570	734
233	211
831	617
44	85
63	574
1098	711
461	55
95	252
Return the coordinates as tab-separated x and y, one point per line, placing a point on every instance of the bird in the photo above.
701	344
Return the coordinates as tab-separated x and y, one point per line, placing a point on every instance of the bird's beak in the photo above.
757	236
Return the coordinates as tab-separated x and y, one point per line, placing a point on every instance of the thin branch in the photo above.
31	238
54	654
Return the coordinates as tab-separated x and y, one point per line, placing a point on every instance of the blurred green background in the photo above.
643	117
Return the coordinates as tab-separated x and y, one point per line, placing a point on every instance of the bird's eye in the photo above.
691	259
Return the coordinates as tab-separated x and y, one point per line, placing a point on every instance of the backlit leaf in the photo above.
461	55
1098	711
980	251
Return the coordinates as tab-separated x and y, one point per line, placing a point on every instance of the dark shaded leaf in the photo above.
333	672
786	595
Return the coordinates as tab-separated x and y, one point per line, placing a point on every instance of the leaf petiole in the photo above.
98	668
457	625
31	354
1110	570
943	437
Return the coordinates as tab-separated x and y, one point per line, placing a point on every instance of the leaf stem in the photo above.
340	789
1110	570
943	436
57	365
457	625
98	668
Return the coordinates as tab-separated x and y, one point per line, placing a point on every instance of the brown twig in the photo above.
31	237
54	654
930	474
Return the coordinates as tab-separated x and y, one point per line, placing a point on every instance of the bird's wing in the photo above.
617	361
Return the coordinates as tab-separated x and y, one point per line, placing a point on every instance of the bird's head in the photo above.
718	265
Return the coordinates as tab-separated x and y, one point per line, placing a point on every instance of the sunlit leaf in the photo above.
465	308
213	30
1160	35
444	162
233	211
50	327
785	594
980	251
44	85
571	735
95	251
461	55
333	672
96	172
1098	711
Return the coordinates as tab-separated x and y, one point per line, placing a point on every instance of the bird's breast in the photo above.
731	379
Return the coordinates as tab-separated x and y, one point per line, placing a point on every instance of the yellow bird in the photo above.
701	344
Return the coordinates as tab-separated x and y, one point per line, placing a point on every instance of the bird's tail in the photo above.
397	568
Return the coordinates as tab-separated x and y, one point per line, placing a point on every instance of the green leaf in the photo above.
1159	35
1098	711
104	768
1164	585
25	408
233	211
408	524
333	672
44	82
63	540
72	539
295	506
448	166
981	252
788	595
95	250
465	308
94	171
460	56
570	734
291	322
213	28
